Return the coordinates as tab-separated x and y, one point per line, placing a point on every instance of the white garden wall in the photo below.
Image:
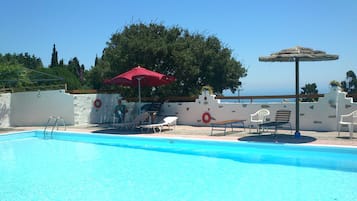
319	116
34	109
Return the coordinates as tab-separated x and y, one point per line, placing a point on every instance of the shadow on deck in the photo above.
118	131
278	138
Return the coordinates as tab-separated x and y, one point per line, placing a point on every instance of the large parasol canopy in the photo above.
297	54
140	76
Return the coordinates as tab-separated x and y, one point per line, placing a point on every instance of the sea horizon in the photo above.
262	92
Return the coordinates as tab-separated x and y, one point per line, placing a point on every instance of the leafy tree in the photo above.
75	68
96	76
195	60
30	62
350	84
309	89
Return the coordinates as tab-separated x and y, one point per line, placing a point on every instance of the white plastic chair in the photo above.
258	117
348	119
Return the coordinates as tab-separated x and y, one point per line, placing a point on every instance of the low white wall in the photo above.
34	109
319	116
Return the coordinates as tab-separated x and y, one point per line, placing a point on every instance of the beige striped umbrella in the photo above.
297	54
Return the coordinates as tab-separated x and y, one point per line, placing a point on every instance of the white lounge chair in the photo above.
170	122
348	119
140	119
259	117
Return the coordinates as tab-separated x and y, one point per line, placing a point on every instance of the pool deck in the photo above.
239	134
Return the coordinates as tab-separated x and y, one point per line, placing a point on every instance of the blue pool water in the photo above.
75	166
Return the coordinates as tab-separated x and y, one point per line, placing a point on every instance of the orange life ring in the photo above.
97	103
206	117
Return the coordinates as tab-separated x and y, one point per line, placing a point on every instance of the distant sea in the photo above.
275	100
264	91
256	93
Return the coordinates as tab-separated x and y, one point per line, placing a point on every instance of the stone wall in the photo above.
5	101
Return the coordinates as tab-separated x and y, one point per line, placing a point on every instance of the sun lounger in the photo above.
282	118
170	122
222	125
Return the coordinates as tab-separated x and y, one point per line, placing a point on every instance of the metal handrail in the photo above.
55	125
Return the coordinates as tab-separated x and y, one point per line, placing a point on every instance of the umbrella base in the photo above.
297	134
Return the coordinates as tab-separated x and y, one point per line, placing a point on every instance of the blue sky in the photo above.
251	28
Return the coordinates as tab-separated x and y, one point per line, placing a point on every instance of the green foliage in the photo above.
27	72
96	76
350	84
75	68
13	75
335	83
309	89
25	60
195	60
68	77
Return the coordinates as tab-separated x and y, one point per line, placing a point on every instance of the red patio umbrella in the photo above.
140	76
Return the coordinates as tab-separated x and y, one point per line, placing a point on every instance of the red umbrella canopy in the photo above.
146	77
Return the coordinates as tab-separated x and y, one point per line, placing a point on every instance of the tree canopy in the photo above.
350	84
25	72
25	59
309	89
13	75
194	59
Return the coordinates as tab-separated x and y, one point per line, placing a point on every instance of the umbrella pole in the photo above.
297	98
139	89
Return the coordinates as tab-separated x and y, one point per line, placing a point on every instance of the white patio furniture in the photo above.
349	120
169	121
257	118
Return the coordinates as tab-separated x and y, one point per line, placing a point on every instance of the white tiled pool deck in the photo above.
239	134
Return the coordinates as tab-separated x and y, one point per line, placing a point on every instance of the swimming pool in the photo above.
76	166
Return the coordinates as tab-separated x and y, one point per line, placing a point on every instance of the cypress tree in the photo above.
54	58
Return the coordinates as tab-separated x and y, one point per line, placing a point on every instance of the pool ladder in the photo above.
55	121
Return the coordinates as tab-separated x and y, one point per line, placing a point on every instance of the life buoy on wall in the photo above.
206	117
97	103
